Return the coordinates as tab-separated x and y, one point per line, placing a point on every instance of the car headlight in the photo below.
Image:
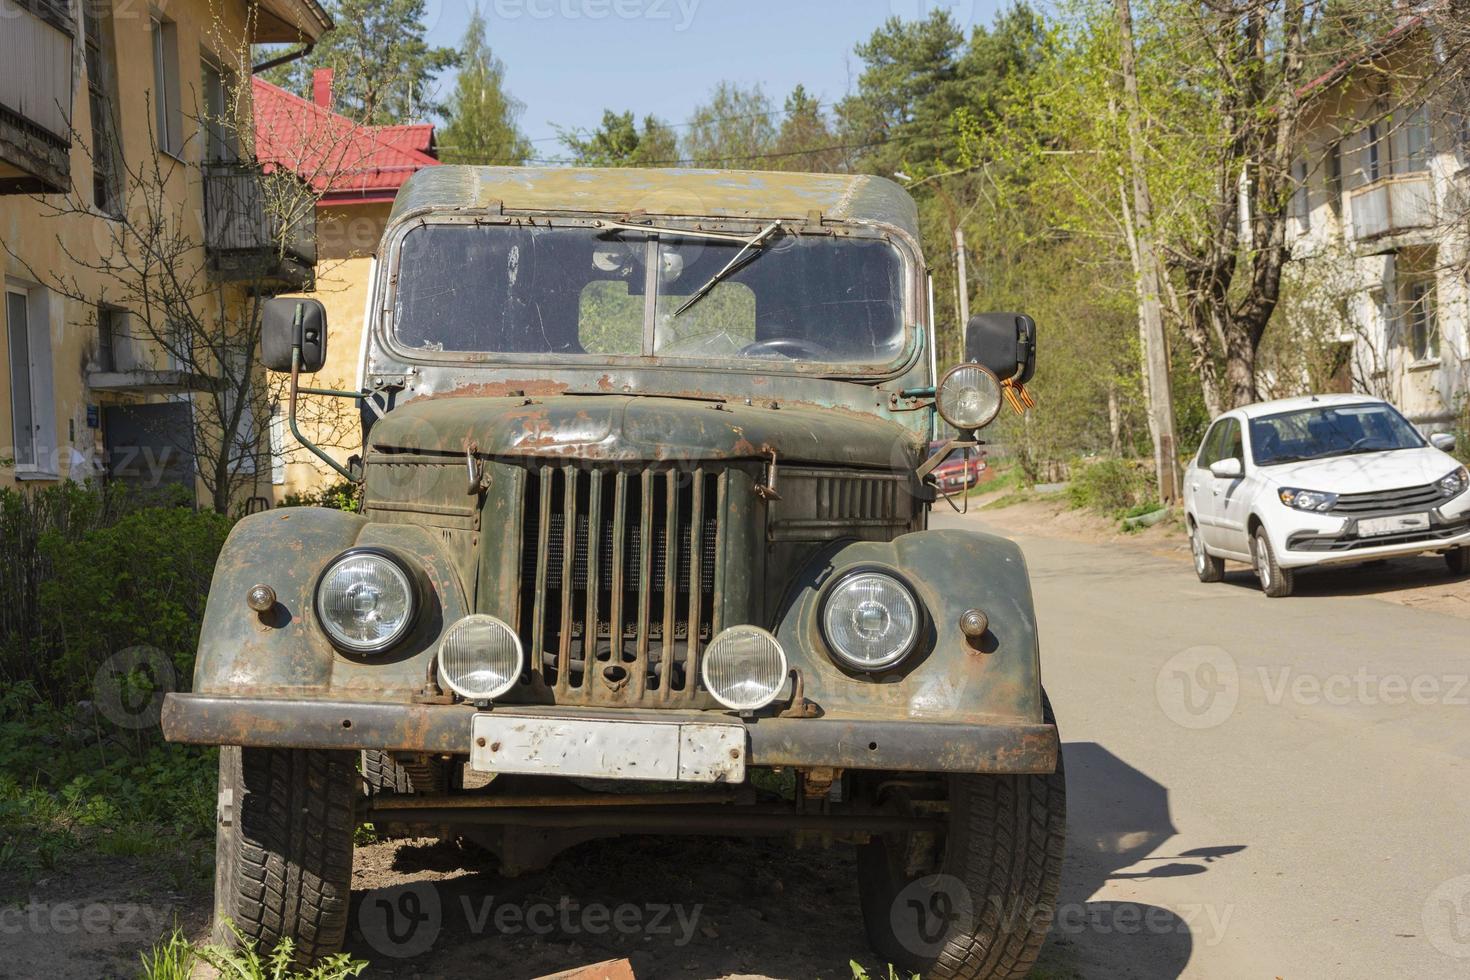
744	668
480	658
1455	483
968	397
870	620
366	601
1310	500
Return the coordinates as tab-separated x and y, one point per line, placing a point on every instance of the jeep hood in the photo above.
1396	469
622	427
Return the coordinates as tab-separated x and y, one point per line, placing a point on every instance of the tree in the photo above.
618	142
735	129
805	141
384	69
481	118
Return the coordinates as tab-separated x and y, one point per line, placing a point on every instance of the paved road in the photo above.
1257	787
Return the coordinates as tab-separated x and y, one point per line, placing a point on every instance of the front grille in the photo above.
619	579
1307	541
1388	501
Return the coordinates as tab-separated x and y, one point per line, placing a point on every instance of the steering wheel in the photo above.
794	348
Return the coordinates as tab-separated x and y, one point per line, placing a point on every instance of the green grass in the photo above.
175	958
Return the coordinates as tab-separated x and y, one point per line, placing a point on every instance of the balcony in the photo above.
36	39
260	228
1392	206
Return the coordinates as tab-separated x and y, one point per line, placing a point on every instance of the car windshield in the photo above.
1332	430
585	291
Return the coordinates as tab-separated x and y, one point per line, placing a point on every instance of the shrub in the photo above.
1111	486
342	495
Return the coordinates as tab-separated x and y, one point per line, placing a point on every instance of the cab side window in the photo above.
1209	449
1231	444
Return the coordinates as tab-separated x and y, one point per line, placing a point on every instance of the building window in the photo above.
101	83
1300	206
1420	319
1334	179
168	119
1371	151
1417	147
219	126
32	414
109	328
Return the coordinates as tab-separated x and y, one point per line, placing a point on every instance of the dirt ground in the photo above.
1422	582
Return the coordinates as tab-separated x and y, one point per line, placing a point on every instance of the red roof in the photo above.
1369	52
346	162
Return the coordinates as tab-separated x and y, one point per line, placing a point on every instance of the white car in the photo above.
1324	479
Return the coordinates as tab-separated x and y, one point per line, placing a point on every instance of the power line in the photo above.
716	162
704	122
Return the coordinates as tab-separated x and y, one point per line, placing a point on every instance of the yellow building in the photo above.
357	171
115	119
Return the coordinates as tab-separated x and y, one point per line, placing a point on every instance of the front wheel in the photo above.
283	848
1276	582
976	904
1459	560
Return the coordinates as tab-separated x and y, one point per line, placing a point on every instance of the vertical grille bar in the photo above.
645	583
543	559
696	577
615	626
568	566
671	583
593	575
717	618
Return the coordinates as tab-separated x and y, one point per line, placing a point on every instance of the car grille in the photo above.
1388	501
619	579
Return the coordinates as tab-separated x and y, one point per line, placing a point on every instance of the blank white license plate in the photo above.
1397	524
694	752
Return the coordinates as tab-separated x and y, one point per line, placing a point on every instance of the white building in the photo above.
1380	225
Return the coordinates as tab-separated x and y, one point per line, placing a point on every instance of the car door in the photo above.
1233	497
1199	482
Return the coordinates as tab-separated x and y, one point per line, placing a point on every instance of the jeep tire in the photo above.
283	848
998	877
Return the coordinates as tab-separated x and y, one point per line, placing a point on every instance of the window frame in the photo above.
38	381
167	108
1421	320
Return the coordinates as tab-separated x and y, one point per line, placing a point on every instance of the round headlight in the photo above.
744	668
870	620
365	601
480	658
968	397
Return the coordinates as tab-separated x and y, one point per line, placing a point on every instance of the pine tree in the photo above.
482	117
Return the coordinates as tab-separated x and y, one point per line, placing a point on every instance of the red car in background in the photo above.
960	471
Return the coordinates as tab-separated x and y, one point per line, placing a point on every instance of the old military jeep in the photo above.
644	548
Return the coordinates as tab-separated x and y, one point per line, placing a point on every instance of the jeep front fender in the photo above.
948	678
284	652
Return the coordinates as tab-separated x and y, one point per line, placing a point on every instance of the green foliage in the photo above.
384	69
174	958
619	142
1111	486
734	129
481	118
342	495
860	973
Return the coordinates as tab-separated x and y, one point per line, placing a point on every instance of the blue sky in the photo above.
567	60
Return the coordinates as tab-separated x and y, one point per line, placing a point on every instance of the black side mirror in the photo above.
1003	342
278	334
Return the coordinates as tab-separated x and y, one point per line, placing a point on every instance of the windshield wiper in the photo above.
718	236
756	241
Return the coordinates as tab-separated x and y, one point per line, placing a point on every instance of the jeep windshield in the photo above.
597	293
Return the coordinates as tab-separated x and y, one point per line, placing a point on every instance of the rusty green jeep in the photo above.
644	548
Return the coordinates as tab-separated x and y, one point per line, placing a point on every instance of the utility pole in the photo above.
962	285
1148	281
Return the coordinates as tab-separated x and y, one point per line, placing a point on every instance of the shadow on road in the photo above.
1118	827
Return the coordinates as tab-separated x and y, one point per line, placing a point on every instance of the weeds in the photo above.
174	958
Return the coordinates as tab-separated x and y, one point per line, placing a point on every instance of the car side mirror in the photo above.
1227	469
1003	342
1443	441
279	328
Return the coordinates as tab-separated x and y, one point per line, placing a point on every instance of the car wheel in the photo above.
1276	582
383	773
1459	560
977	900
1206	566
283	848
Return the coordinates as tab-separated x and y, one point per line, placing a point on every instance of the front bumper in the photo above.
913	746
1343	544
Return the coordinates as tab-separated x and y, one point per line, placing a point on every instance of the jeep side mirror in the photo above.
1443	441
279	333
1003	342
1228	468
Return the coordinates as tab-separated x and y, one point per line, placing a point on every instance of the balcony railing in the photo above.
1392	206
36	39
260	228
